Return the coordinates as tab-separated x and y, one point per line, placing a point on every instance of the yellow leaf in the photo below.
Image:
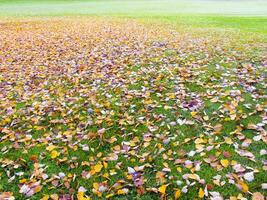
22	180
233	162
105	164
54	154
106	175
206	118
199	141
45	197
193	114
7	120
167	107
171	95
37	189
244	186
233	198
75	148
51	147
95	186
224	162
109	195
177	194
193	176
99	154
228	140
97	168
162	189
122	191
80	196
148	101
201	193
179	169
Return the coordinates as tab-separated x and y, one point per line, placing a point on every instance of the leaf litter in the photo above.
94	108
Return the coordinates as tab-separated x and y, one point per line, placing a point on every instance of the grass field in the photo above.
133	99
241	14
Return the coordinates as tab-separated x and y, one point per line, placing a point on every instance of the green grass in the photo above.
248	15
135	7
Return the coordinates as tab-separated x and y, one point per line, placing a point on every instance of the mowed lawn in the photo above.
241	14
133	99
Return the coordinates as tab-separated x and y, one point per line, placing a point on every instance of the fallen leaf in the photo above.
257	196
201	193
162	189
54	154
224	163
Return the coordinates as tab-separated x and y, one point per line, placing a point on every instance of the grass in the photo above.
242	15
134	63
133	8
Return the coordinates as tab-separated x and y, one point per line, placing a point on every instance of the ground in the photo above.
133	99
